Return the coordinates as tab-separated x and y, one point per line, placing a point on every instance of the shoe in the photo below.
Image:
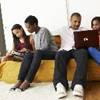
13	89
17	85
61	91
78	90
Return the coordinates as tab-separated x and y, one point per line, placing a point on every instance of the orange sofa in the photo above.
9	69
93	68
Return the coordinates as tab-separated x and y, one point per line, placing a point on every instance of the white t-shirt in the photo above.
67	38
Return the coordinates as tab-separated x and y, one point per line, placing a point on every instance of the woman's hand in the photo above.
22	50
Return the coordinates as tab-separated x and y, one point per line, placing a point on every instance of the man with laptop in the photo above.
90	39
66	52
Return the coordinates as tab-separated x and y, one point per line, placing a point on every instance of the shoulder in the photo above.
43	29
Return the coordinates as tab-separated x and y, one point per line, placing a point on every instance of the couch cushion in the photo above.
9	71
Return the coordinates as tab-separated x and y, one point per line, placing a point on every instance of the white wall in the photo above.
87	8
50	13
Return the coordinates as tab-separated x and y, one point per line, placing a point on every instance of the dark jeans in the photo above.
31	63
60	71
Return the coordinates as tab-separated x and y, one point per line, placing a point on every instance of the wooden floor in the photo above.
92	91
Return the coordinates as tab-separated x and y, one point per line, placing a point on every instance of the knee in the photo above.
38	53
90	49
58	55
83	51
28	55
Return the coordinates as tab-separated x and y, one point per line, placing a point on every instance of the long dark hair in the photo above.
16	39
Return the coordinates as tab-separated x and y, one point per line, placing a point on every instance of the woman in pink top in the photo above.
21	42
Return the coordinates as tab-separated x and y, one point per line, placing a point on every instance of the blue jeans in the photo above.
60	71
95	53
31	63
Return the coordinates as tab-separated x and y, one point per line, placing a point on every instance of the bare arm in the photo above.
31	40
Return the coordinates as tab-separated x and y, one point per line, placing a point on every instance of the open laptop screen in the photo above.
87	38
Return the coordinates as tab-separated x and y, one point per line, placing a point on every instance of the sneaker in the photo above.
78	90
61	91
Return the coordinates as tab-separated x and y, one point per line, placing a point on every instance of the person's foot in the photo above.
78	90
17	85
61	91
25	85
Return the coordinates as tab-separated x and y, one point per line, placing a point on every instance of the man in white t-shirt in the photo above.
66	52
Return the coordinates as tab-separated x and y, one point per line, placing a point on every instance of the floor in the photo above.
45	91
92	91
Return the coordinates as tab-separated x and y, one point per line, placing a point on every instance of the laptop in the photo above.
87	38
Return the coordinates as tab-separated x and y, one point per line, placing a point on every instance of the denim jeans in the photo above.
31	63
60	71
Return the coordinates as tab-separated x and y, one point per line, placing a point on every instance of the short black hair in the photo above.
31	20
76	14
95	18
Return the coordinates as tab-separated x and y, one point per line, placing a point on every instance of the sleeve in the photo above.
45	39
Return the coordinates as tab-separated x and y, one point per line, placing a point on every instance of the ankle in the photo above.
26	82
17	85
25	85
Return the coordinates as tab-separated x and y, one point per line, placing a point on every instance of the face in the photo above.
17	32
30	28
75	22
96	25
